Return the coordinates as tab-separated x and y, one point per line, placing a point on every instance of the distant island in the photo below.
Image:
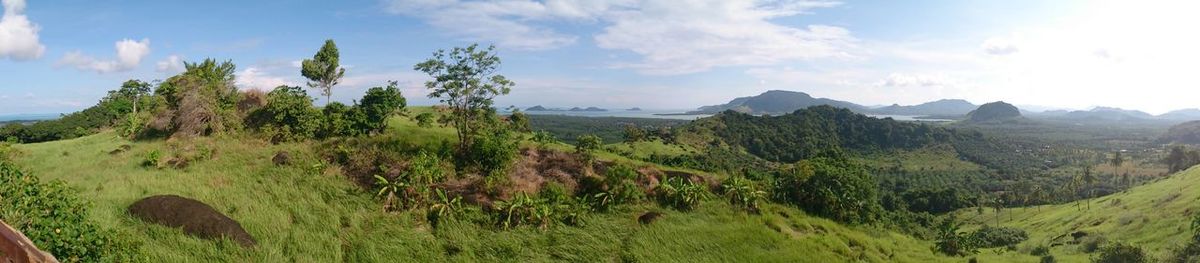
634	109
540	108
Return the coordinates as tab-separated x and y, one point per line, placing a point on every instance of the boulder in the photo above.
193	217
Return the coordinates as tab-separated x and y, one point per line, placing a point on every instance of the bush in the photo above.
742	193
493	153
1047	259
1117	252
991	237
680	193
586	146
951	242
425	120
8	152
617	187
340	120
55	219
543	138
292	116
153	159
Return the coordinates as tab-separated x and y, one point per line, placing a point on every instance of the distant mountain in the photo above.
776	102
940	107
994	111
1186	133
1108	114
540	108
1184	114
587	109
634	109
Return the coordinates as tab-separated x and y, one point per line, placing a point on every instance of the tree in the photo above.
134	90
340	120
380	103
519	121
1089	180
323	70
292	115
1116	163
831	188
634	134
466	80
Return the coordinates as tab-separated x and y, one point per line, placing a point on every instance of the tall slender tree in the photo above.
323	70
1089	179
467	81
1116	162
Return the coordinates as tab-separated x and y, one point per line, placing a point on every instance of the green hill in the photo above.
309	212
1155	216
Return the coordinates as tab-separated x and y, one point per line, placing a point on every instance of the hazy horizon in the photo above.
60	57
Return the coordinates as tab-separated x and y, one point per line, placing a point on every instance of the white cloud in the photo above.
672	37
999	46
255	78
675	38
18	36
914	80
171	64
129	55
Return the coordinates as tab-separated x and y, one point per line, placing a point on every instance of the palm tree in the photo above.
1036	193
1116	162
1090	180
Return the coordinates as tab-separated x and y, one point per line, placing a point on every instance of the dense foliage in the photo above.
56	220
808	132
831	188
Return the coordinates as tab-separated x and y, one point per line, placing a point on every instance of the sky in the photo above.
62	56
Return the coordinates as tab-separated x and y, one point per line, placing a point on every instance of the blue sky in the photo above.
61	56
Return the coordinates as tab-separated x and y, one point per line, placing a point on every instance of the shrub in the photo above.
153	159
519	121
1047	259
543	138
1040	251
617	187
742	193
8	152
425	120
835	189
493	153
55	219
523	210
586	146
291	114
951	242
380	103
680	193
340	120
991	237
1117	252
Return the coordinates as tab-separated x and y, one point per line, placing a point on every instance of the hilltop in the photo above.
775	102
994	111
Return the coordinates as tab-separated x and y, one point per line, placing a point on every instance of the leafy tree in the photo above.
341	120
466	80
831	188
323	70
293	117
379	104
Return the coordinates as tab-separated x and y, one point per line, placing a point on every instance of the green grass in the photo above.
1155	216
302	214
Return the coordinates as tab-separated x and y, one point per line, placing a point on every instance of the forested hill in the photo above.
808	132
816	130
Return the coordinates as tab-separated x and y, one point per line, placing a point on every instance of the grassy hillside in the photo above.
309	212
1155	216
